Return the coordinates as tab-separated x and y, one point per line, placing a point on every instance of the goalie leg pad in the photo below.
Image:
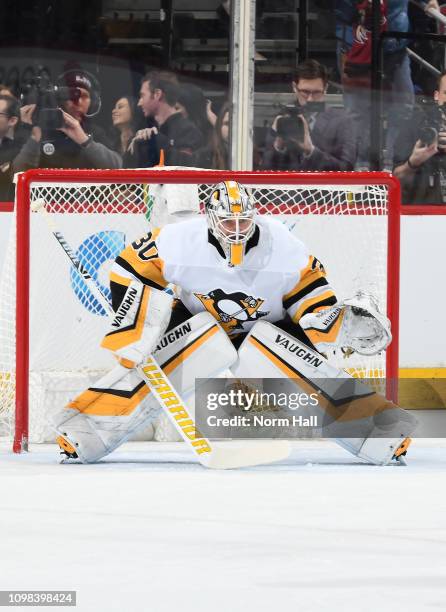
103	417
345	403
197	348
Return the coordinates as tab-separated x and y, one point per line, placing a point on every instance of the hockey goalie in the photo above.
246	290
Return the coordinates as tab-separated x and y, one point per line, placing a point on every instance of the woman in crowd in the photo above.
125	120
220	139
216	153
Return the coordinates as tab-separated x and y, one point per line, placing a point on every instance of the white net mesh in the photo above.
343	226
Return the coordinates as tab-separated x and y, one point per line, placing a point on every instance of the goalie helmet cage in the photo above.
350	221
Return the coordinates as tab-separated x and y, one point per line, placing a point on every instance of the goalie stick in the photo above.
227	455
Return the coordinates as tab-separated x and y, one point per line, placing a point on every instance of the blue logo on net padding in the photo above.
93	253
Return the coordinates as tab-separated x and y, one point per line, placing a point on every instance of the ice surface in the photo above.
147	529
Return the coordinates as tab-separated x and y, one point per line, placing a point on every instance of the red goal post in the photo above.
354	218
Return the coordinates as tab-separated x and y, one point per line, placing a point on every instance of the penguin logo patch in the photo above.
232	310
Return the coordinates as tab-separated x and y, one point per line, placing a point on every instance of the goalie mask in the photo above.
230	213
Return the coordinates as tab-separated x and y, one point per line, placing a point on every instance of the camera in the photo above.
433	122
48	98
290	126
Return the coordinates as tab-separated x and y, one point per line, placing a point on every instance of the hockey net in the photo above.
350	221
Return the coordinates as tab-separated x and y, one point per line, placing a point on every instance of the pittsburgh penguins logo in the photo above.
232	310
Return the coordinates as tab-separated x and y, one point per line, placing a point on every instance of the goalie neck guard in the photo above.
230	214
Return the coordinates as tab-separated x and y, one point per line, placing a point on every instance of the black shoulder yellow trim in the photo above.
147	281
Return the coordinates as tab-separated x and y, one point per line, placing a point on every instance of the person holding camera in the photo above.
62	134
420	151
10	144
307	135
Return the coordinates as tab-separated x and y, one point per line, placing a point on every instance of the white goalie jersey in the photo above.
278	275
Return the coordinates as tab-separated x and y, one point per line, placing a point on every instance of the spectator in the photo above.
126	119
9	144
309	136
6	91
355	16
216	154
78	143
211	116
193	105
420	158
21	133
176	136
430	50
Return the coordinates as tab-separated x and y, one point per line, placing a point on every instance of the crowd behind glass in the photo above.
171	120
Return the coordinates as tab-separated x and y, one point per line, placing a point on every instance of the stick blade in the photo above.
231	455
